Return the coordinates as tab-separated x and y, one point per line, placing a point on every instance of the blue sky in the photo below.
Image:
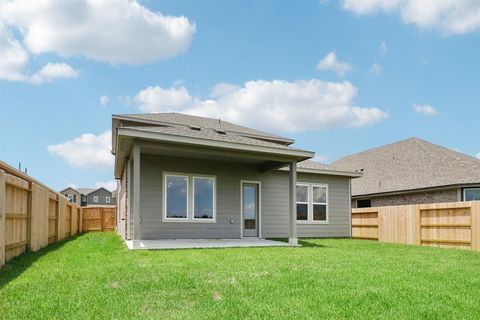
390	70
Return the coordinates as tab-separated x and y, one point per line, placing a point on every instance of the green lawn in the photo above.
95	276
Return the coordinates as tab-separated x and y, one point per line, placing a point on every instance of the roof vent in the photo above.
196	128
220	131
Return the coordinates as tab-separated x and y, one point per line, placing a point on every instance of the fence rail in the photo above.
450	225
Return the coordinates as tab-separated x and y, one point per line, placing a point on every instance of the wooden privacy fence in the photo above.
32	215
99	218
450	225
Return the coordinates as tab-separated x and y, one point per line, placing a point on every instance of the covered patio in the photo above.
203	243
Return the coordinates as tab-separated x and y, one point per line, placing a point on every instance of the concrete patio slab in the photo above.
202	243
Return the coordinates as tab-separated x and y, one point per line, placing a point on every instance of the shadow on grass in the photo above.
306	243
15	267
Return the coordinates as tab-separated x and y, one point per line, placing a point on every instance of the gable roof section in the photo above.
69	188
180	119
410	164
211	134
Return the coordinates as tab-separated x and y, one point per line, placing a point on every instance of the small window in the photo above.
95	199
107	199
471	194
302	202
203	198
84	198
176	196
364	203
312	203
319	203
70	197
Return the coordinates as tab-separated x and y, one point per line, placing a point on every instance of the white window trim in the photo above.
465	192
190	198
95	199
214	198
107	199
311	203
70	196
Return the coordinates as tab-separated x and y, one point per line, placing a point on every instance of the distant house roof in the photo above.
86	191
408	165
180	119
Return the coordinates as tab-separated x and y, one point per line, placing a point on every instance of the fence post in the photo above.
2	217
475	225
28	247
80	220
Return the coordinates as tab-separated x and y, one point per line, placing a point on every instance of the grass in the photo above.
95	276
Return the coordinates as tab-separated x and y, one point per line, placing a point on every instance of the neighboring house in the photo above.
412	171
90	196
72	194
191	177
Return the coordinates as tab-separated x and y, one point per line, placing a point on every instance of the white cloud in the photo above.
116	31
110	185
322	158
104	100
376	69
53	71
14	59
384	47
86	151
424	109
448	16
330	62
153	99
288	106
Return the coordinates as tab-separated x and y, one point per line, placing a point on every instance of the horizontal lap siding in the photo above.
338	207
228	198
274	201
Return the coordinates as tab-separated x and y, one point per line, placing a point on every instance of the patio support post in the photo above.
136	195
292	237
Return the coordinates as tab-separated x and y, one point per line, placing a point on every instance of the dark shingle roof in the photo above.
408	165
203	122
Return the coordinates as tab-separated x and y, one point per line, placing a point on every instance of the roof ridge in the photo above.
258	133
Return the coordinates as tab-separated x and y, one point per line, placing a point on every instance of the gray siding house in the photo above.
188	177
90	196
412	171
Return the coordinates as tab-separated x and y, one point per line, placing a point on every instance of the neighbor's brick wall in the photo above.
450	195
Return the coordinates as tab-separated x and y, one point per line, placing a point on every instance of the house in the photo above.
72	194
189	177
412	171
90	196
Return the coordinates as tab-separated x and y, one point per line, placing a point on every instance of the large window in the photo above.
312	203
203	197
471	194
176	196
189	198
